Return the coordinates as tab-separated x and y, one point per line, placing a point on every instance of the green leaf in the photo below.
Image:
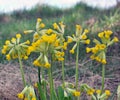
41	92
60	93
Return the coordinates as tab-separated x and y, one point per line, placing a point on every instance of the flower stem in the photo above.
21	69
103	77
76	72
63	74
39	78
51	84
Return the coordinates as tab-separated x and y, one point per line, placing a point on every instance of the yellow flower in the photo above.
25	57
49	31
36	85
72	51
8	57
87	41
83	37
42	25
107	36
88	49
86	30
69	40
27	42
103	61
107	92
18	35
90	91
3	51
65	45
76	93
102	46
101	34
61	59
36	63
93	90
31	94
56	44
98	91
98	59
39	19
62	53
47	65
20	95
7	42
25	98
92	57
36	36
115	39
108	32
55	26
13	40
78	27
33	98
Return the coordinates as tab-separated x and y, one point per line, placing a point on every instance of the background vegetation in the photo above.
95	20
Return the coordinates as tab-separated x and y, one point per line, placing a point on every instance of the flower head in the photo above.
14	49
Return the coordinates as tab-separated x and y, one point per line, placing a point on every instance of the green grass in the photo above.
18	21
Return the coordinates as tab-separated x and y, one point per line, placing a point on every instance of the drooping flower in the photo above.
100	48
13	49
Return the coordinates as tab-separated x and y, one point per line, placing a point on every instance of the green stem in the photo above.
77	69
39	78
51	84
76	72
21	69
63	74
44	84
103	77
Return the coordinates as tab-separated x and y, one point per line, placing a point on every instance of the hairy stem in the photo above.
21	69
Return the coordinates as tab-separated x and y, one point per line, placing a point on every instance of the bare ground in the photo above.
11	81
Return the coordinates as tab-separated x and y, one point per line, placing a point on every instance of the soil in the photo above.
11	81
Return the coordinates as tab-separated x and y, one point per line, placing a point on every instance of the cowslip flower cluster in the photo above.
96	94
70	89
80	36
100	49
48	42
27	93
13	48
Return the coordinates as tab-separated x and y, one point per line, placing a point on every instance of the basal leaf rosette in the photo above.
101	46
79	37
13	48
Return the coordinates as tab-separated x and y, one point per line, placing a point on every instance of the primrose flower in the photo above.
42	25
49	31
13	49
55	26
107	92
100	49
98	91
47	42
76	93
39	19
73	92
27	93
79	37
90	91
20	95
